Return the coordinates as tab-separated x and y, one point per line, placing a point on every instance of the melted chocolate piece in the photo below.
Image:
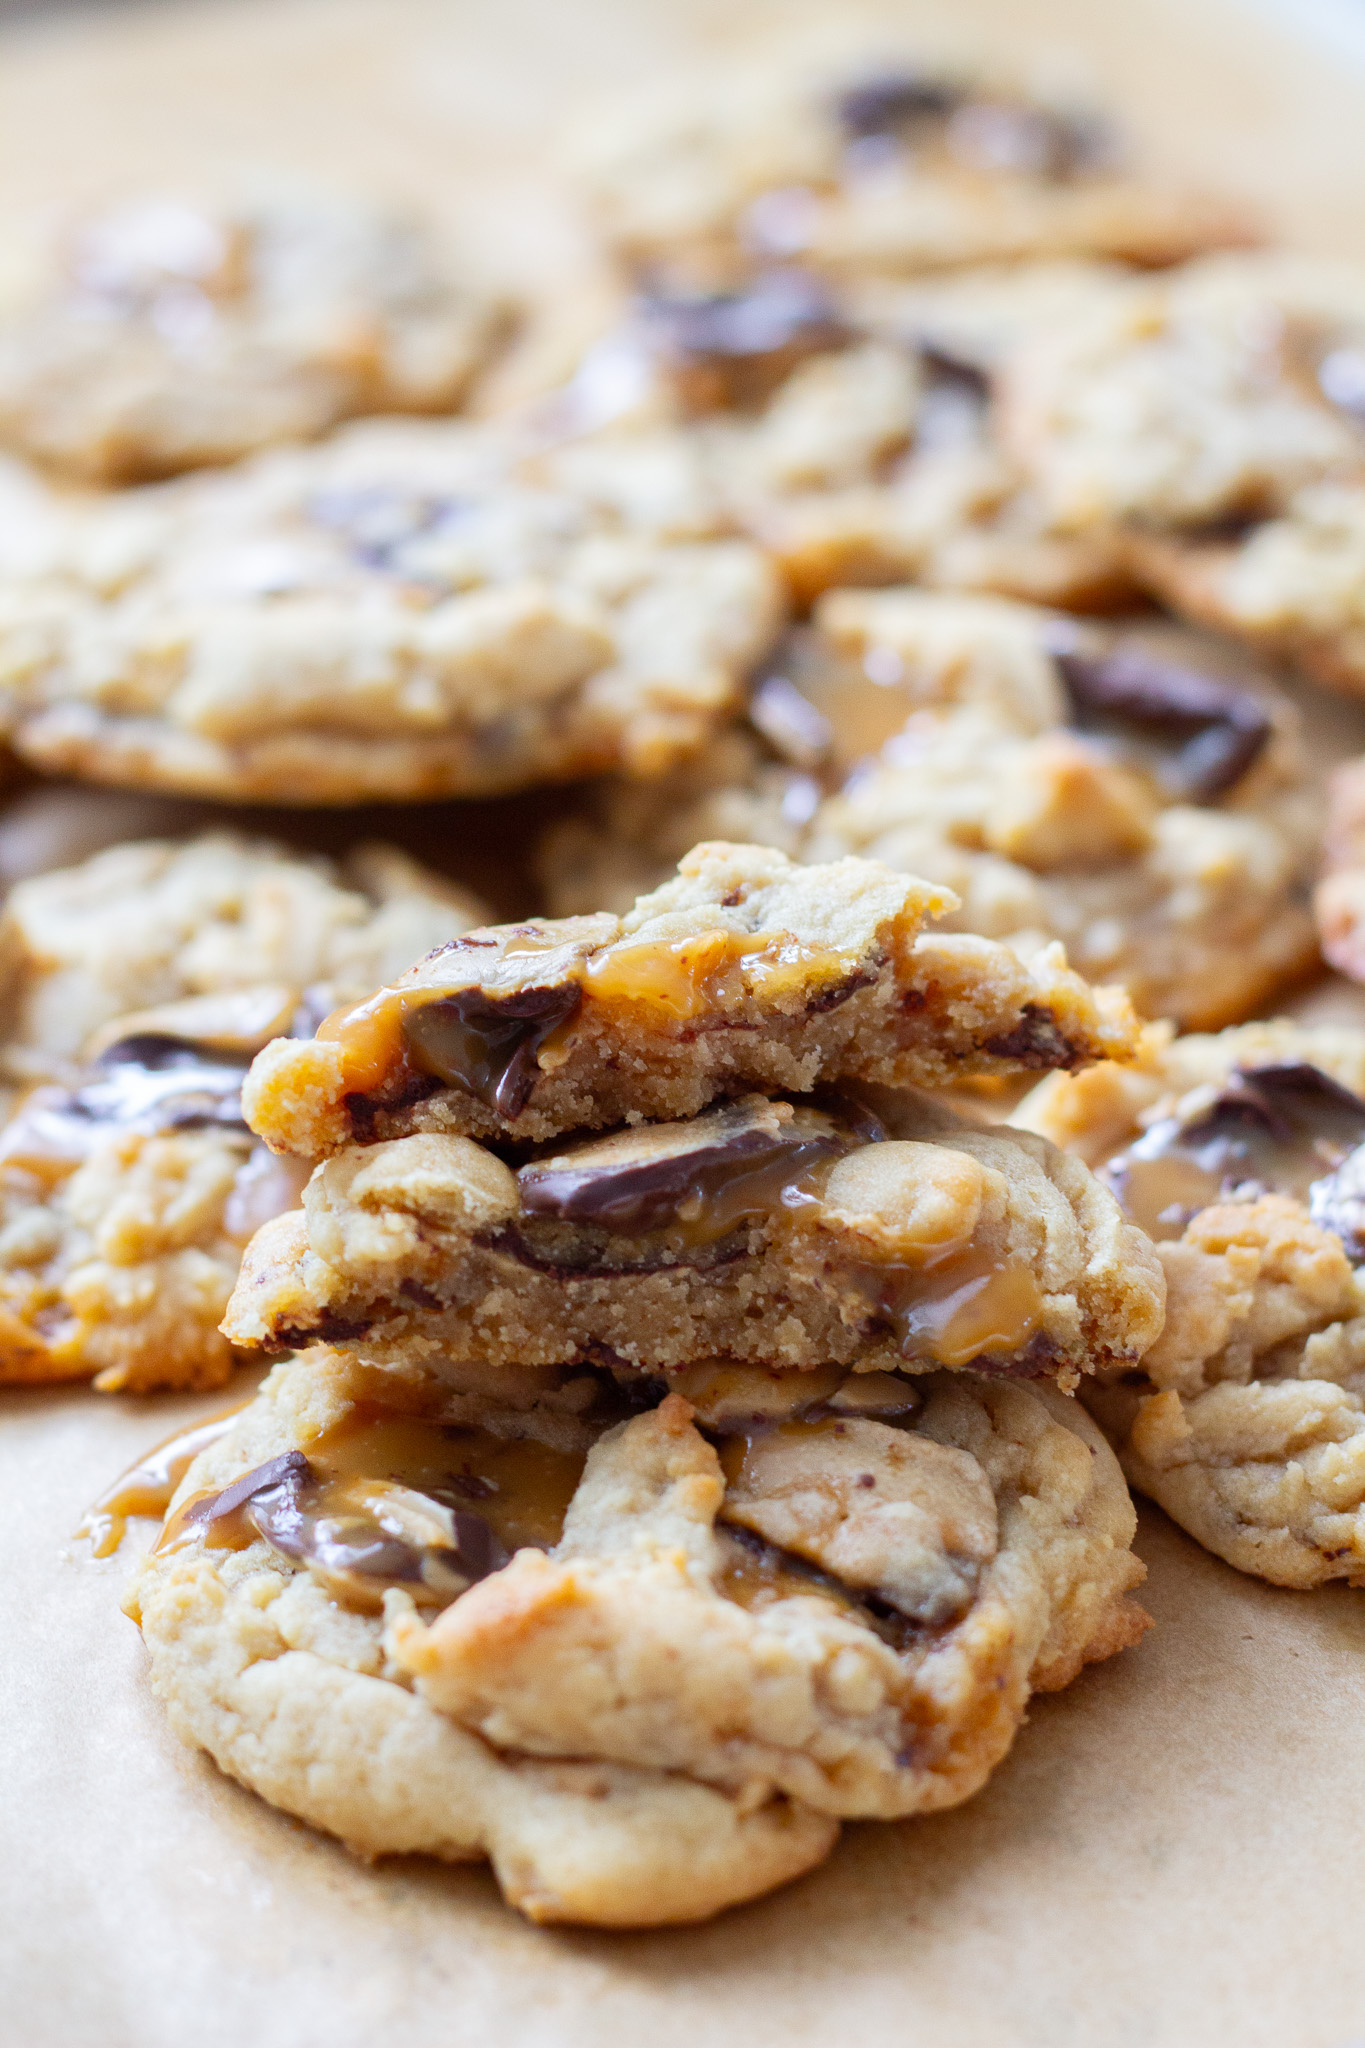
733	348
1288	1129
282	1479
1218	730
889	102
734	1159
147	1083
486	1043
760	1565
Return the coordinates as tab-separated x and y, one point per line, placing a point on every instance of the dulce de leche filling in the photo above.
493	1037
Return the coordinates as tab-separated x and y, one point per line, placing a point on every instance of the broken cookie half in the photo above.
745	970
872	1229
642	1652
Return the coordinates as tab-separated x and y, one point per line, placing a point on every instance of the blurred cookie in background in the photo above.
396	613
1129	790
162	333
1215	419
889	165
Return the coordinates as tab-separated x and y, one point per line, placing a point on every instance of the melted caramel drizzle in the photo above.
519	1488
145	1489
956	1309
678	979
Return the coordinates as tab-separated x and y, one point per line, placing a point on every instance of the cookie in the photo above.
1241	1154
893	168
161	334
633	1659
1215	419
744	971
1133	793
867	1229
129	1181
851	433
391	614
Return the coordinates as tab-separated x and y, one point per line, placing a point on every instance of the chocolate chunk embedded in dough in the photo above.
887	102
714	1168
1218	731
488	1043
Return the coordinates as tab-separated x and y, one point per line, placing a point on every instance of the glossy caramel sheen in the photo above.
673	981
146	1488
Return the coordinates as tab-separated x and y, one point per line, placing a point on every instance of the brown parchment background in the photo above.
1172	1857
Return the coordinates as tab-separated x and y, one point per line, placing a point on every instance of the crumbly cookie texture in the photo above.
129	1182
644	1669
896	168
871	1230
162	334
851	433
394	613
746	970
1242	1153
1135	794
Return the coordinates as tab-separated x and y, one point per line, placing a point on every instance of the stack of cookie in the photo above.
676	1457
677	1447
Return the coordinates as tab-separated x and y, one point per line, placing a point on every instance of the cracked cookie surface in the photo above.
394	613
162	333
896	167
1241	1153
426	1620
1135	794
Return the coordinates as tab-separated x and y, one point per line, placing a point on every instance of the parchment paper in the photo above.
1171	1858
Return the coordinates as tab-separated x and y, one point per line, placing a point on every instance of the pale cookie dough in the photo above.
745	970
873	1230
659	1668
1133	793
1242	1153
890	167
161	334
394	613
851	434
129	1182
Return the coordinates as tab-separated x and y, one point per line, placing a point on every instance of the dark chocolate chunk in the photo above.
890	102
1217	731
645	1179
287	1475
1035	1041
488	1043
1287	1129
